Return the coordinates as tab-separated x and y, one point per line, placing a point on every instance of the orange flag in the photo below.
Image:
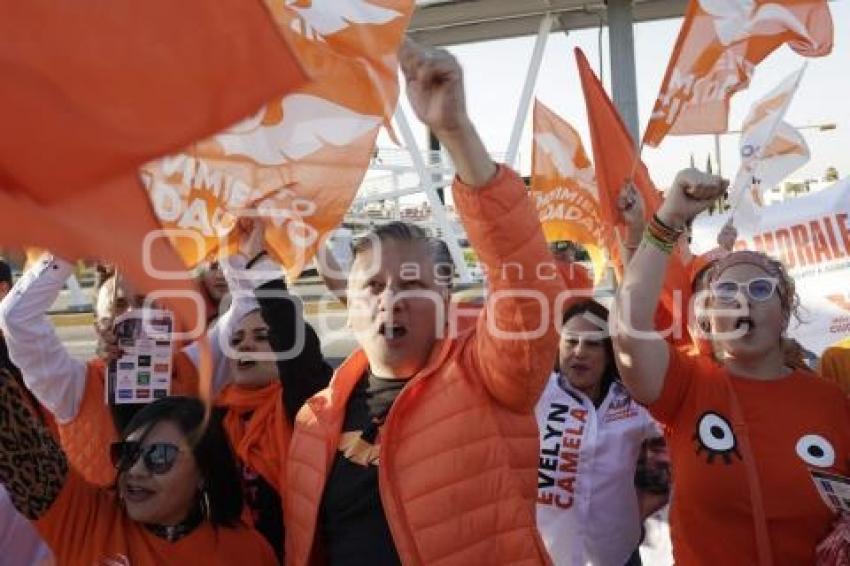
103	91
615	157
719	45
563	186
299	161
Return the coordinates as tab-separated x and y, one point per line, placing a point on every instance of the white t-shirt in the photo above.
587	507
19	541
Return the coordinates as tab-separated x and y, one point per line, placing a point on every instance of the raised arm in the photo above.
243	277
55	378
516	340
332	271
435	90
244	271
32	466
630	204
642	354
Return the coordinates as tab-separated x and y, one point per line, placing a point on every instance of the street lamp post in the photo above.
819	127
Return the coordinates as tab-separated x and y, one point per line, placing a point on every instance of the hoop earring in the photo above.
206	507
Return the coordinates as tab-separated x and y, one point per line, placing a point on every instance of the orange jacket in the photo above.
458	460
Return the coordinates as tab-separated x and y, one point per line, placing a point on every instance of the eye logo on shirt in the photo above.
714	436
816	451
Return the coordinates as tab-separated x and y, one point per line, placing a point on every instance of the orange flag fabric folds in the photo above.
88	96
298	162
615	158
564	187
719	45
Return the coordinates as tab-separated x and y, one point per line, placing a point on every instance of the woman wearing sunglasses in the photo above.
746	431
176	500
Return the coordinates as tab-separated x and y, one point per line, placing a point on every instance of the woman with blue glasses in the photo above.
748	435
177	498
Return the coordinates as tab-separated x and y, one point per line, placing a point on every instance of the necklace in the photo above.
173	533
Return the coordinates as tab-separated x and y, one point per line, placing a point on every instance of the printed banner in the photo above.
811	235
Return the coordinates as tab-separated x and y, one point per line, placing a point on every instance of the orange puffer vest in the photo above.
86	438
459	449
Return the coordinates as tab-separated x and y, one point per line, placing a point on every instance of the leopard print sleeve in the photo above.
32	465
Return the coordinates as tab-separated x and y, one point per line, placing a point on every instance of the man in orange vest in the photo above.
424	447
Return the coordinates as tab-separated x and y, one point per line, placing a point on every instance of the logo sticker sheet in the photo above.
143	372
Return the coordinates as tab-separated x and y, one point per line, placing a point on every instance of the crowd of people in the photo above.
534	434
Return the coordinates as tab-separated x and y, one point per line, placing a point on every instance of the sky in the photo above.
495	71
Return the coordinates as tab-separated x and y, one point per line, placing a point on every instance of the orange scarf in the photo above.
261	441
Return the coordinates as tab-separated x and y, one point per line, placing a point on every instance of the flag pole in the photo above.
528	89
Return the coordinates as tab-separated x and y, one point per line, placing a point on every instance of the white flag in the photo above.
787	152
759	148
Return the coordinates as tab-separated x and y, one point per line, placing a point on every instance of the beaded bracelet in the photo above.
661	229
664	245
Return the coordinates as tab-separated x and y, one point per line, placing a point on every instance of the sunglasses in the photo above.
560	246
759	289
158	457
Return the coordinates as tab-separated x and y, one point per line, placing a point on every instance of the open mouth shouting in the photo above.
744	325
246	363
392	331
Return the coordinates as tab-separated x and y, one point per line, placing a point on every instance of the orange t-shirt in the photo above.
794	424
835	364
86	526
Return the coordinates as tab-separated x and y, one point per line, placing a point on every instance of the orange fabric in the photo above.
835	364
300	160
98	118
463	315
563	186
459	449
616	159
86	525
712	498
718	47
263	441
87	438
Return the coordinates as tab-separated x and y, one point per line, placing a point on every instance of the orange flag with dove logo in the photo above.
719	45
563	186
100	93
298	162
